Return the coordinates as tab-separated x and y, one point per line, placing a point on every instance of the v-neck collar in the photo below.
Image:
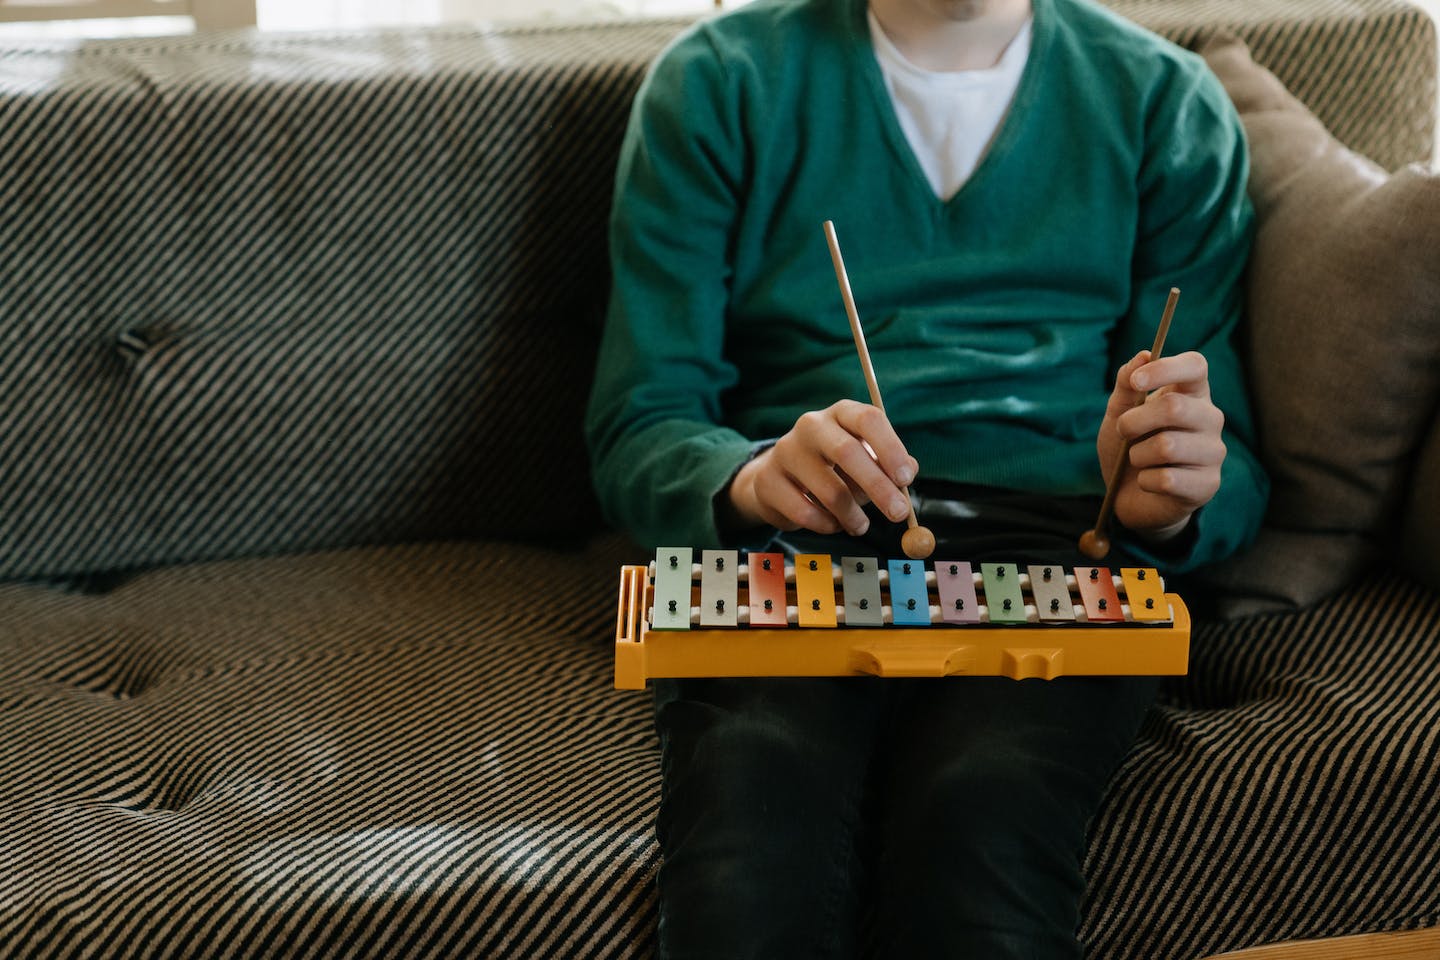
1040	31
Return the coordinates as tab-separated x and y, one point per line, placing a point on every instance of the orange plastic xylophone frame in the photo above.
1018	651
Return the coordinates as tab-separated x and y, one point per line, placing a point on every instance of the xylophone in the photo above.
763	615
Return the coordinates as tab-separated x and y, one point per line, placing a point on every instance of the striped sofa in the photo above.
305	607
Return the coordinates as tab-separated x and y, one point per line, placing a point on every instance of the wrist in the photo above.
1166	533
736	506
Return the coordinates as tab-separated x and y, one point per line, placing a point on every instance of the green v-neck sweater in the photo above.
996	320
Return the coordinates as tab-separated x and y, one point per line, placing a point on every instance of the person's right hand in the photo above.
824	470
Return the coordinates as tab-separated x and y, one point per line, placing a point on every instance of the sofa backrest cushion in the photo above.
264	294
270	293
1343	340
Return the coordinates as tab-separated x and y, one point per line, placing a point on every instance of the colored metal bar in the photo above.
719	588
909	600
815	589
672	588
955	584
765	590
1003	597
860	581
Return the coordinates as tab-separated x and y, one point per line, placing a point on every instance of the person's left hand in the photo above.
1174	463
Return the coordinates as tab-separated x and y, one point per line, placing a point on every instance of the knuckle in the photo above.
1172	404
838	449
1167	447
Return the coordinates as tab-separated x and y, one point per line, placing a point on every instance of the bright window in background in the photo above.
358	14
329	14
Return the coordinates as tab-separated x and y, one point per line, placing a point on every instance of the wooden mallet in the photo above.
1095	542
917	542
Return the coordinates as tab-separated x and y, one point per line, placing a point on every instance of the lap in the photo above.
952	811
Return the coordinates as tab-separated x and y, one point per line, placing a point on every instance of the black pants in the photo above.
895	818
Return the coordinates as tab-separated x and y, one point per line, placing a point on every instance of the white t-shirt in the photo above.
949	118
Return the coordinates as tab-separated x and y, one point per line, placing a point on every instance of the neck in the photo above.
951	35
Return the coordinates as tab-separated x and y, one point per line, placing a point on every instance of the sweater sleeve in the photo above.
1195	233
659	451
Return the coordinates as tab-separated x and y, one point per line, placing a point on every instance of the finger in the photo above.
826	487
870	425
1189	372
1124	395
1189	486
861	497
1171	410
1178	448
825	462
860	472
784	505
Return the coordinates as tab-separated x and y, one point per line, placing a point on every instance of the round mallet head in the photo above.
918	543
1094	544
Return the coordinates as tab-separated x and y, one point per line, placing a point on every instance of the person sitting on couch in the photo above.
1017	185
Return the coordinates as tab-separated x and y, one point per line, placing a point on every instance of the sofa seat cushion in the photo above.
416	751
1285	789
396	752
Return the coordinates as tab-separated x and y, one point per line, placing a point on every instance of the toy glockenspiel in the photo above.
766	615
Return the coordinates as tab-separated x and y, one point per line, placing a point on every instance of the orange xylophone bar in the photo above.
761	615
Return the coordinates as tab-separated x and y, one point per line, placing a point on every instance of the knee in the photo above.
744	776
999	827
995	793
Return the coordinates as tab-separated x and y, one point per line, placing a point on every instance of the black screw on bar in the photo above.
1000	572
765	564
1094	573
864	603
672	606
719	606
859	566
906	568
719	563
769	604
910	604
1103	604
1047	573
1054	604
674	561
814	565
1149	603
959	603
954	570
1007	603
815	604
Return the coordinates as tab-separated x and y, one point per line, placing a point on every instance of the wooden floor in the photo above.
1415	945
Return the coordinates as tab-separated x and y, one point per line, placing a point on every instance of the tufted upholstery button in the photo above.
135	342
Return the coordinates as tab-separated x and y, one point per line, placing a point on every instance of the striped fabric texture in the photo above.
310	320
414	752
394	752
266	294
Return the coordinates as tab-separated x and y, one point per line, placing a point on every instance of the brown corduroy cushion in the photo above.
1343	341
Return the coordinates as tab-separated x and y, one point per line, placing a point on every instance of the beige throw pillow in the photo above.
1342	343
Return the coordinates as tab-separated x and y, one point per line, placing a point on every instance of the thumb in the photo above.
1125	396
